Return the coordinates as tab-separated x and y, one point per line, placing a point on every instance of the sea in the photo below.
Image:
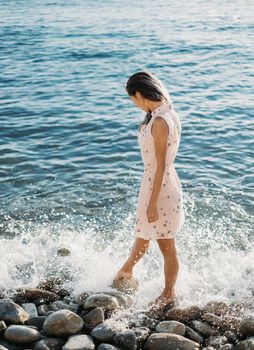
70	160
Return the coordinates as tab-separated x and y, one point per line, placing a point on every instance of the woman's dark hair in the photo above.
150	87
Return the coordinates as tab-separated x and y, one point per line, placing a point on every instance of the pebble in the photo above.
36	321
49	344
103	332
79	342
169	341
204	328
93	318
107	302
191	334
30	308
216	307
12	312
217	341
227	347
183	314
170	327
246	326
247	344
104	346
21	334
63	322
126	339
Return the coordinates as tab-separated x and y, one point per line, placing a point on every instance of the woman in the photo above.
159	212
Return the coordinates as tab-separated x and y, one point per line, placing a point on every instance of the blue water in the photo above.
70	160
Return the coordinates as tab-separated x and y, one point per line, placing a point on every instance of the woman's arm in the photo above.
160	132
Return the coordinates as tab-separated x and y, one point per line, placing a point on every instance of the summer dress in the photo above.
170	199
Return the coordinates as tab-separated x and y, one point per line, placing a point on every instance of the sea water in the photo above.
70	161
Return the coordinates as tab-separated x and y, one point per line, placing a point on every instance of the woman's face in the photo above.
139	101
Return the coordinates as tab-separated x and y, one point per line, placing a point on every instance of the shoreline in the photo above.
48	317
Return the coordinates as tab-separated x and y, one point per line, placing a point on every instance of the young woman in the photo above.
159	214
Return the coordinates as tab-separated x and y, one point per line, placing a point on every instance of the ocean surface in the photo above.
70	160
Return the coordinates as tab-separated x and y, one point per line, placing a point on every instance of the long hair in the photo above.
150	87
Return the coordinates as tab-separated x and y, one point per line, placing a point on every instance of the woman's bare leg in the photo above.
171	268
139	248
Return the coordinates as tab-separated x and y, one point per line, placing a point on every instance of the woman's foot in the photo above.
166	299
123	274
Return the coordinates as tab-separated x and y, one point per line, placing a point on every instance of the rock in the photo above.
170	327
227	347
58	305
3	347
103	332
216	341
21	334
231	323
49	344
30	308
246	326
126	339
10	345
247	344
62	322
36	321
151	323
169	341
141	334
216	307
79	342
43	309
93	318
231	336
124	300
208	348
63	252
126	285
39	301
181	314
104	346
34	293
2	326
12	312
204	328
107	302
192	335
212	319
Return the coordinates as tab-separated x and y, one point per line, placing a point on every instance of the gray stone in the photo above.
204	328
107	302
212	319
58	305
93	318
227	347
231	323
35	293
12	312
22	334
126	285
104	346
170	327
63	322
217	341
141	334
151	323
183	314
192	335
247	344
42	309
49	344
169	341
103	332
79	342
208	348
126	339
30	308
124	300
231	336
247	326
3	347
216	307
36	321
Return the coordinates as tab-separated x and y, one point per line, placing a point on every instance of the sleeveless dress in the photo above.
170	199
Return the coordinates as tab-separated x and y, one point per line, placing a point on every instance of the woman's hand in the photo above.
152	212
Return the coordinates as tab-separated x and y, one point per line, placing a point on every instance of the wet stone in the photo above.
227	347
36	321
107	302
79	342
217	341
169	341
191	334
12	312
103	332
104	346
183	314
21	334
247	344
231	336
30	308
2	326
126	339
212	319
42	309
246	327
93	318
170	327
49	344
204	328
216	307
63	322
